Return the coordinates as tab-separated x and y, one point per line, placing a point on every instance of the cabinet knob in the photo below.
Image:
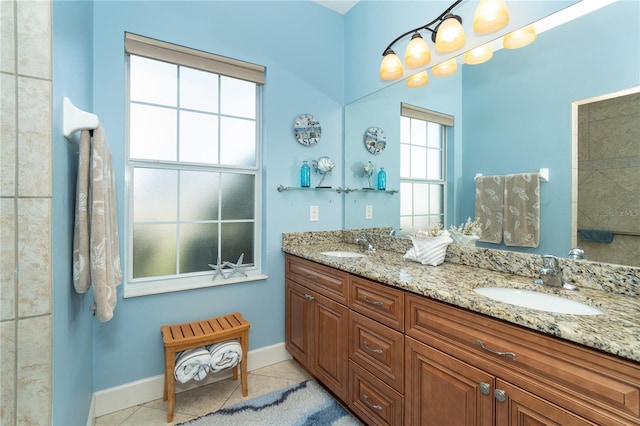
500	395
485	388
308	297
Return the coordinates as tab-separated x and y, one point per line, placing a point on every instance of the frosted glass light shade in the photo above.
417	53
478	55
520	38
491	15
418	80
391	67
450	36
446	68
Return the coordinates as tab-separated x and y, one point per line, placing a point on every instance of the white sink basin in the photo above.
535	300
343	254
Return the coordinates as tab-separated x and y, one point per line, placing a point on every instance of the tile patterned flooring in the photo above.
205	399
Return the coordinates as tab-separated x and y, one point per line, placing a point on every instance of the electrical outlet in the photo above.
313	214
368	212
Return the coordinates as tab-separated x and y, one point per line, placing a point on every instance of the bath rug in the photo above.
305	403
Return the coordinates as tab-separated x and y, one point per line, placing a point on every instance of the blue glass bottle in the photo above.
382	179
305	175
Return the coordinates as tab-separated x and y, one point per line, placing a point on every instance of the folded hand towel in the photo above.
429	250
522	210
192	364
224	355
490	207
596	235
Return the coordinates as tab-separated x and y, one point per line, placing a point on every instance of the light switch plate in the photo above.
368	212
314	214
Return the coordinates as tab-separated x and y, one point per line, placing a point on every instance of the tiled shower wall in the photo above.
609	177
25	213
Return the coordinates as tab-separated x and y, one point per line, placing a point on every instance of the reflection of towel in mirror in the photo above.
192	364
224	355
522	210
490	206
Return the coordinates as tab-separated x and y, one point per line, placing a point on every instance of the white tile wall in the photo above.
25	212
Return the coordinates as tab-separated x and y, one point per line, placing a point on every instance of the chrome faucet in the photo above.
550	273
363	240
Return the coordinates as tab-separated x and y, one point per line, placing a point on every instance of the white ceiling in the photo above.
340	6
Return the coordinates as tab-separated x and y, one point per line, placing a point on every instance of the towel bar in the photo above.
75	119
543	172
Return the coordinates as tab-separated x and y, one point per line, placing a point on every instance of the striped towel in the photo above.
192	364
224	355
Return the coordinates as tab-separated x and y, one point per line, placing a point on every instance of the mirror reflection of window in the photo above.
422	167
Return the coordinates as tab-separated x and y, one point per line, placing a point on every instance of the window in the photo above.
422	165
193	168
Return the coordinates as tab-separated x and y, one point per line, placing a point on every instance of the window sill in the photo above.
158	287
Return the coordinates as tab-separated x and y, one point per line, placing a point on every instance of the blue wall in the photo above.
72	322
537	85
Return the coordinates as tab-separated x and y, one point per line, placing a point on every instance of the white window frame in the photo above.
447	121
183	56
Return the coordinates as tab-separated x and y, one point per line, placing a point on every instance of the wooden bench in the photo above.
189	335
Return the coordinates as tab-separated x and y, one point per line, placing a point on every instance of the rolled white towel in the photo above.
224	355
192	364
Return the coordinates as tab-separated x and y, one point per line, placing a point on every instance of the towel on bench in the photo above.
224	355
192	364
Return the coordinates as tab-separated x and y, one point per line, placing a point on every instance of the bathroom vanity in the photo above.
402	343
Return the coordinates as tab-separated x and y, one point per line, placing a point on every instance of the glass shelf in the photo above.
282	188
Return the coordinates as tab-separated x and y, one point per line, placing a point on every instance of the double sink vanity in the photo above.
402	343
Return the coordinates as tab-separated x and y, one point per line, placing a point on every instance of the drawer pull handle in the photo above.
372	302
510	355
500	395
485	388
308	297
365	398
375	351
311	276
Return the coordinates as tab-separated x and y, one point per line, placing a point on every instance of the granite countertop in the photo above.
616	331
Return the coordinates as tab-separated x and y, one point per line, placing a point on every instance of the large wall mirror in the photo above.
512	114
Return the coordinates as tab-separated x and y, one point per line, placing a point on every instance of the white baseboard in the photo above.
141	391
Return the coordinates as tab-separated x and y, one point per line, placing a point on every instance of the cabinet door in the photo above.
517	407
441	390
299	323
330	324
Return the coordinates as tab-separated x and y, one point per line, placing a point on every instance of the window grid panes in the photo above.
423	178
193	172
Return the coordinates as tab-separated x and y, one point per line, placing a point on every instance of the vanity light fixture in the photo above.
478	55
520	38
418	80
446	68
447	34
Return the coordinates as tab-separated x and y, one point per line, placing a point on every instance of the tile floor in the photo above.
205	399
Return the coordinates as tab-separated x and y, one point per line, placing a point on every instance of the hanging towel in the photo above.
596	235
192	364
522	210
96	256
490	206
224	355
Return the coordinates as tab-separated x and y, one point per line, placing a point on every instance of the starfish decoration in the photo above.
236	268
218	268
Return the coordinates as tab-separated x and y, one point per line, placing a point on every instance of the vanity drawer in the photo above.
372	400
327	281
380	302
377	348
598	386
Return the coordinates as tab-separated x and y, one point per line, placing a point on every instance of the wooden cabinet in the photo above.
316	327
535	379
396	357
